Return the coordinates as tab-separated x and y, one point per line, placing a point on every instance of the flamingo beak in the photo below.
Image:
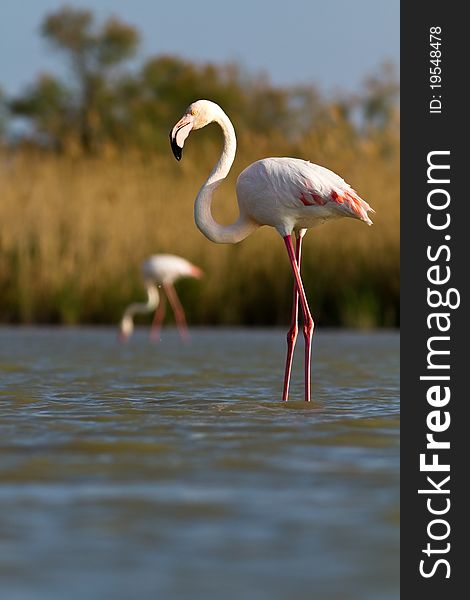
179	133
196	272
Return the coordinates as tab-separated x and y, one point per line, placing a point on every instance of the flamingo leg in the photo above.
292	333
178	311
308	324
158	319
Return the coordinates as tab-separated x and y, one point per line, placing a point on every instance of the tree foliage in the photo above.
78	109
102	104
3	113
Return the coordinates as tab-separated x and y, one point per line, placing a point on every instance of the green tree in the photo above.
101	104
94	53
47	104
3	114
379	101
167	84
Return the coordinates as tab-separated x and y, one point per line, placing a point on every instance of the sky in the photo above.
333	44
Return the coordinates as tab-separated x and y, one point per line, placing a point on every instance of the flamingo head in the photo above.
197	115
196	272
126	328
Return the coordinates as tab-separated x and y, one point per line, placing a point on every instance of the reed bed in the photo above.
74	231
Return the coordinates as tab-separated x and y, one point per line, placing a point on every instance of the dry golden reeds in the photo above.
74	231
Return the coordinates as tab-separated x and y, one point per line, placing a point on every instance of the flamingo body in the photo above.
168	268
288	194
160	270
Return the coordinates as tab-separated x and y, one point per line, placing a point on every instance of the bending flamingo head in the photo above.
196	272
126	327
197	115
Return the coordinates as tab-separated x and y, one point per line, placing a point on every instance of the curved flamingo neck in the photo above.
221	234
153	299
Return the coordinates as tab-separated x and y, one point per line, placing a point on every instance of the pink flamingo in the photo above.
160	270
288	194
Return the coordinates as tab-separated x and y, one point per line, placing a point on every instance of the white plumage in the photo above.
288	194
291	194
168	268
160	270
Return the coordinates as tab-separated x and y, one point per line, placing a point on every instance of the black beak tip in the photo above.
177	151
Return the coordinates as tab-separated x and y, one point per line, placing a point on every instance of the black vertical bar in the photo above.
423	247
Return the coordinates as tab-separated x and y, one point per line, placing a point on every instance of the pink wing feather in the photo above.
318	186
279	185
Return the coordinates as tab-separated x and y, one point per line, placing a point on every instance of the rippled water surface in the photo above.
171	471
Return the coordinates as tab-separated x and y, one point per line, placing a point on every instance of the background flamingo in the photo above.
288	194
161	270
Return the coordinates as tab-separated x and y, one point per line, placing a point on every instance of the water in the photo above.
170	471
